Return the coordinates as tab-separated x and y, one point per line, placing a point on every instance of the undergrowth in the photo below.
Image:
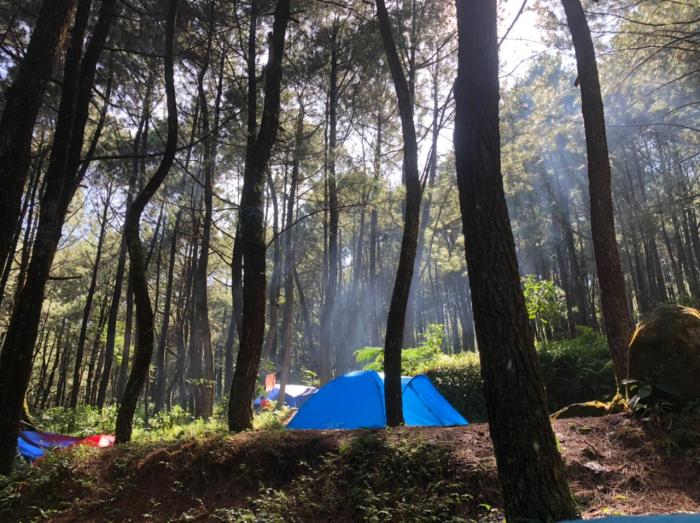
368	479
573	370
172	425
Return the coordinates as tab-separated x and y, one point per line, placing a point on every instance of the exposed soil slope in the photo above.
615	465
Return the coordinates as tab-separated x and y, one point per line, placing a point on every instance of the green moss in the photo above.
665	353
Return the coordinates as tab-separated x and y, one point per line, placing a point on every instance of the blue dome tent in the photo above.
356	400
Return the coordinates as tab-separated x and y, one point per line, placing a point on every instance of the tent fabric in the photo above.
356	400
33	444
294	395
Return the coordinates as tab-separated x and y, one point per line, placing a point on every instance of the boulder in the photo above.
665	352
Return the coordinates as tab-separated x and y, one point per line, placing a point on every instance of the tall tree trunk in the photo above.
373	241
252	230
23	100
62	180
57	358
530	468
251	131
393	342
270	347
416	300
95	353
616	316
106	372
77	369
137	265
29	233
331	284
306	317
201	330
288	314
159	389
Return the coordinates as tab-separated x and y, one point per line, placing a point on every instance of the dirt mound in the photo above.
615	465
665	351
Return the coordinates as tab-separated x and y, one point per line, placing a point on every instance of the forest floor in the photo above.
616	465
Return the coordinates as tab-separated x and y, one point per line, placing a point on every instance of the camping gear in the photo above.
294	396
356	400
33	444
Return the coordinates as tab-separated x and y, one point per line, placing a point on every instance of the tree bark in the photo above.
137	266
331	284
251	130
159	389
288	313
22	103
616	316
201	330
393	341
271	342
112	317
96	353
530	469
61	182
252	231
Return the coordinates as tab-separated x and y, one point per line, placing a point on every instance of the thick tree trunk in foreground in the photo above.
137	263
62	179
22	102
393	341
252	234
530	469
616	315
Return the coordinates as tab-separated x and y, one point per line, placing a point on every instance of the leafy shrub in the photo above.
543	299
458	378
271	419
412	360
573	371
577	370
81	421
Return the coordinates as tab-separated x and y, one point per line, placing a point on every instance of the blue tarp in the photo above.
356	400
294	395
32	445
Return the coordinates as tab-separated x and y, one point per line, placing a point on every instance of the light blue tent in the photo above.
294	395
356	400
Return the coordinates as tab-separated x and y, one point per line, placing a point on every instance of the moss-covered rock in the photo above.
665	352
